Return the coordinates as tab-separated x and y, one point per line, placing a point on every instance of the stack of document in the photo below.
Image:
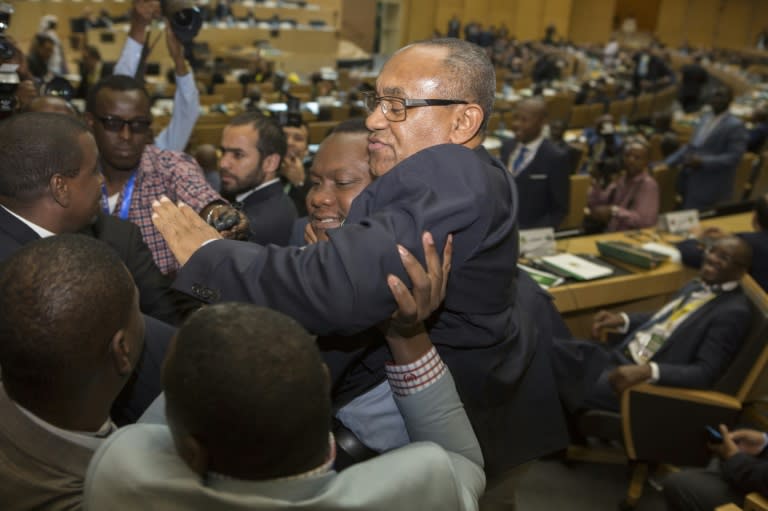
575	267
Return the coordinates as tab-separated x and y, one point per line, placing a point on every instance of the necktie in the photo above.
519	160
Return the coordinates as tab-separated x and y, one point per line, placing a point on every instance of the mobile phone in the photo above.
713	435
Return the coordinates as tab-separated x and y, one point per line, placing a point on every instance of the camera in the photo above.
185	19
9	82
7	50
291	117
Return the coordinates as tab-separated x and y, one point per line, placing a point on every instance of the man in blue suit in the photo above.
689	341
428	115
710	159
540	168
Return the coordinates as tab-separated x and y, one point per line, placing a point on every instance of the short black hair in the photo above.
271	137
123	83
34	147
471	74
64	298
249	384
761	211
356	125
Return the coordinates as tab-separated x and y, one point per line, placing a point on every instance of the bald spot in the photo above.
51	104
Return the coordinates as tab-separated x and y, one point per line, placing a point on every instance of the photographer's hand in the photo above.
175	50
142	14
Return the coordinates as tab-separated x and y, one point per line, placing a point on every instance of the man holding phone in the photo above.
743	468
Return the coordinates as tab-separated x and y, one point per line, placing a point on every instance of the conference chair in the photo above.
665	425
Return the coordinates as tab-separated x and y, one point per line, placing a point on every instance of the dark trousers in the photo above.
699	490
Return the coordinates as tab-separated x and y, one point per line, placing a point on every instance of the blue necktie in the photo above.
519	160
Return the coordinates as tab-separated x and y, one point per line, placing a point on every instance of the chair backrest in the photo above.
643	105
621	109
578	201
666	178
581	116
760	186
318	130
746	374
741	176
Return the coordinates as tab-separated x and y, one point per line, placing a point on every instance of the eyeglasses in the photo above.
394	108
117	124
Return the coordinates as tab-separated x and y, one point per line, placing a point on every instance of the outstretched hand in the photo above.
428	287
184	231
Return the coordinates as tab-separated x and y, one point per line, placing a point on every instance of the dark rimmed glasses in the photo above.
117	124
394	108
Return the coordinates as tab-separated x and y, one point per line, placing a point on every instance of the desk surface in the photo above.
639	285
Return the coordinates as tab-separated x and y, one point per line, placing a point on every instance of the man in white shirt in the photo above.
72	335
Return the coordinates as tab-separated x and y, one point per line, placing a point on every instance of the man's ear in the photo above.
122	353
194	453
271	164
466	124
59	189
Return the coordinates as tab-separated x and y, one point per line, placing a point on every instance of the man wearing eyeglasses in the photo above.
428	116
135	172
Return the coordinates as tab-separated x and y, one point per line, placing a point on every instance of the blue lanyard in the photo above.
127	194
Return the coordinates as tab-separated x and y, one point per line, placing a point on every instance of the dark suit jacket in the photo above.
339	287
692	254
543	186
720	152
156	298
702	346
271	214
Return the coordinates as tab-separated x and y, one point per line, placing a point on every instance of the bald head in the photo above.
528	119
50	104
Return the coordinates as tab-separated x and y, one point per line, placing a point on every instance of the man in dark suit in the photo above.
253	147
743	469
693	80
36	201
689	341
651	72
426	117
49	185
540	168
710	159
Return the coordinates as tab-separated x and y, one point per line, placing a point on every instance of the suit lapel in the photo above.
695	315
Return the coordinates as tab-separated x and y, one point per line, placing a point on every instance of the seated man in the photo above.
629	202
71	335
689	341
743	469
248	420
692	250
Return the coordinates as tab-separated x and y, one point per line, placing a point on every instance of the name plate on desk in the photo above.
537	242
679	222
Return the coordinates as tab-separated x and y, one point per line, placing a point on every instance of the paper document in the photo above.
576	267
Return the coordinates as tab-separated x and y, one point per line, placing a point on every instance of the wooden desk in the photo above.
642	290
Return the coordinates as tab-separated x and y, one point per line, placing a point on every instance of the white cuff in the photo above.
625	327
655	375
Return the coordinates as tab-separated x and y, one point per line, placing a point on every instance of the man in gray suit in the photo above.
71	335
710	159
248	420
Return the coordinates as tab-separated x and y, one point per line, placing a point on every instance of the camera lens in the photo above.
6	49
